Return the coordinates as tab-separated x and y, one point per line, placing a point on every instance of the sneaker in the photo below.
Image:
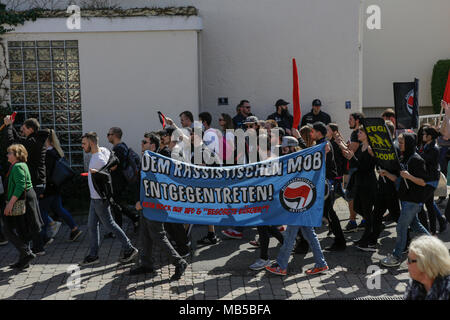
276	269
255	243
54	229
362	225
351	227
233	234
128	256
208	240
366	247
316	270
3	242
75	234
141	270
179	270
391	261
89	260
260	264
24	262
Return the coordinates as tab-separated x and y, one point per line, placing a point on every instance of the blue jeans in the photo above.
408	218
54	203
99	211
289	241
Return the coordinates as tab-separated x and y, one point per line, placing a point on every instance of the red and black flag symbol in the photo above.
297	194
162	119
406	99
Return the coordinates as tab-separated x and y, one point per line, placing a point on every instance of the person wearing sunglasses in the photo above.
429	269
244	112
156	233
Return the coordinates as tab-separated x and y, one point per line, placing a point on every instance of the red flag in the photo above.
162	119
447	90
296	96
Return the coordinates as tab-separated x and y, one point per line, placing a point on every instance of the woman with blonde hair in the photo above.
52	196
429	268
21	215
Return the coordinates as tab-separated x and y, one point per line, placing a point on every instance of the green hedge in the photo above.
438	82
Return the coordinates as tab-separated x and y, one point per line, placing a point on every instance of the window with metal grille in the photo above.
45	84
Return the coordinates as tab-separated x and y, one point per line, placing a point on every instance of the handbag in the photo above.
62	172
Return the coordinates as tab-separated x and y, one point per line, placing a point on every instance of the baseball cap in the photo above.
281	102
316	103
288	141
251	119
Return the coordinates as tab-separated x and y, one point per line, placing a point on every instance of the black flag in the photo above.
380	141
406	97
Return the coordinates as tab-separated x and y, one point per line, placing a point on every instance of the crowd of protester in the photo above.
406	197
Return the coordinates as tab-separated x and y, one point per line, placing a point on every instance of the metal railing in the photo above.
432	119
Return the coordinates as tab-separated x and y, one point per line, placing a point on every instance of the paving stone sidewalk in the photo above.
217	272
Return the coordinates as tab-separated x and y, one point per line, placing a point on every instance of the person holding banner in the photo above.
265	232
279	267
413	191
318	134
154	232
386	199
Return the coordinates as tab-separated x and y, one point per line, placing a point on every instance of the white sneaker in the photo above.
260	264
54	229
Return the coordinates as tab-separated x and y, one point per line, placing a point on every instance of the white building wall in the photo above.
127	76
246	49
415	34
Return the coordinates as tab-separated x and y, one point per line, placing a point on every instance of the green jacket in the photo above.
16	180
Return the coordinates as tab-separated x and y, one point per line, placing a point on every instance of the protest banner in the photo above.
381	143
282	191
406	101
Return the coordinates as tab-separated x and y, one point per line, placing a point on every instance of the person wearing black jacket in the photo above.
316	115
52	196
365	182
386	199
33	140
412	192
153	232
430	153
282	116
120	184
318	133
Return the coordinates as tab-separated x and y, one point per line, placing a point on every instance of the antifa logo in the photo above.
410	101
298	195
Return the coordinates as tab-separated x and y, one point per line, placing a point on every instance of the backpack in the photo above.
132	166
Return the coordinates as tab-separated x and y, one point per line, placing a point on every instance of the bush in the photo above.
438	82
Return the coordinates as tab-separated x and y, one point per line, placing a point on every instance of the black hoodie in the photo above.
415	165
